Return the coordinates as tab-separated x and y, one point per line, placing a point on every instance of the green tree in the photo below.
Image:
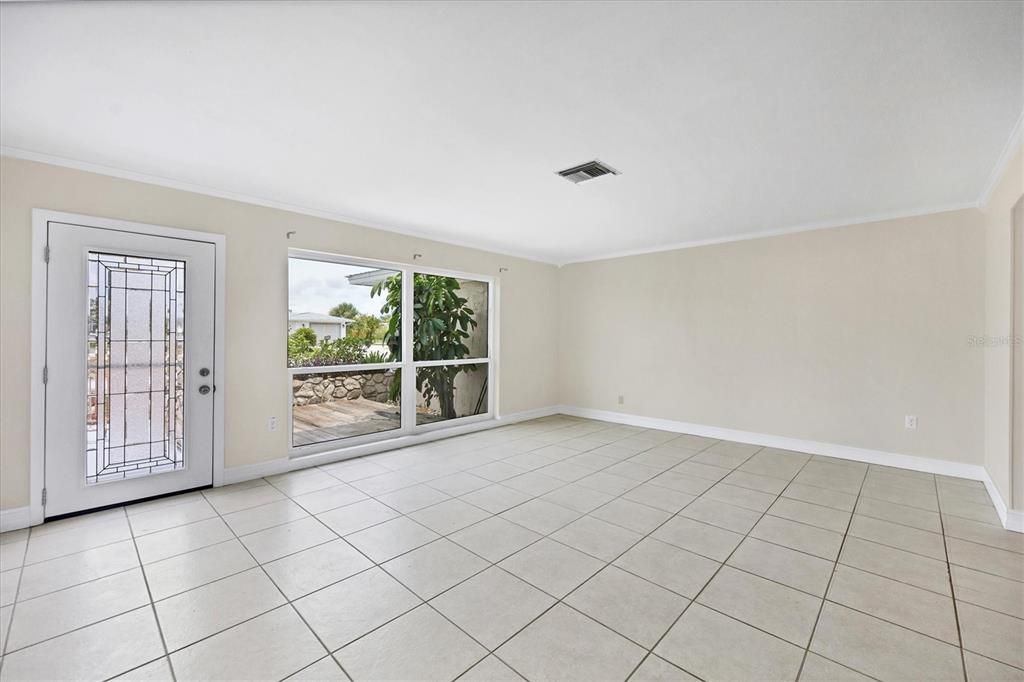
365	327
442	320
346	310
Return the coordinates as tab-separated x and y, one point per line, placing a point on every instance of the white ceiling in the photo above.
448	119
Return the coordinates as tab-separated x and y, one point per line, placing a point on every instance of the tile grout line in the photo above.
84	582
952	586
377	565
141	567
165	657
322	658
807	554
835	563
82	627
541	537
202	585
637	484
288	602
427	602
560	600
710	579
828	586
149	593
902	625
495	565
14	604
657	469
867	472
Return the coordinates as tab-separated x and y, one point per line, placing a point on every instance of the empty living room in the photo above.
489	341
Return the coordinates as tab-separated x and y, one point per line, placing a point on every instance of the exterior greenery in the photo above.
304	351
442	321
367	327
346	310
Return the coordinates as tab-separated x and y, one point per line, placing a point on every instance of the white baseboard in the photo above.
527	415
284	464
1012	519
892	459
15	519
997	499
248	472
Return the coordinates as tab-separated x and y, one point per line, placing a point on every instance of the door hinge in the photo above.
44	497
46	373
46	253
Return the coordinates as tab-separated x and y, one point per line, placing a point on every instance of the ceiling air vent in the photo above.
587	171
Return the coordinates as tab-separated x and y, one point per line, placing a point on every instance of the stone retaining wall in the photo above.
311	389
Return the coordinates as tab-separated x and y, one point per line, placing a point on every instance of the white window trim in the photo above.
407	433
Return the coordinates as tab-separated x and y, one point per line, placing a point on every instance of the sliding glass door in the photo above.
377	350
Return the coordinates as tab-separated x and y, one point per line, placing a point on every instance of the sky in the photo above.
316	287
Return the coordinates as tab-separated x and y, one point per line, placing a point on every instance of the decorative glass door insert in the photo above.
130	337
135	416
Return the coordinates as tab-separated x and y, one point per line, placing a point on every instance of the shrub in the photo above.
377	357
345	351
301	341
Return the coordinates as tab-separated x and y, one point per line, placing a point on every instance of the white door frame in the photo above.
40	219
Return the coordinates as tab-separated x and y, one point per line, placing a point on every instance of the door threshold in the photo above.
83	512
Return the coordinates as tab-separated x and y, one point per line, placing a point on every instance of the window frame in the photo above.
408	366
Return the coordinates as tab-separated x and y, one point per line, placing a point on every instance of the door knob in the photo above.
204	372
204	389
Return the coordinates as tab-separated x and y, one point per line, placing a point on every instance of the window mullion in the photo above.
408	370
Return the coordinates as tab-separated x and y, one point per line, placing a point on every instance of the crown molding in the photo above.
1002	161
171	183
778	232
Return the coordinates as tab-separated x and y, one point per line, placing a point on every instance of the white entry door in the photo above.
129	366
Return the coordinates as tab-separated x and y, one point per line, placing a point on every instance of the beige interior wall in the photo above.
832	335
1017	402
999	327
256	379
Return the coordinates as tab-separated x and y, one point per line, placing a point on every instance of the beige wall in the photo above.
831	335
256	381
999	327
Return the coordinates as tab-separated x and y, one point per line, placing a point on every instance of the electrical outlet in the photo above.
910	422
622	400
272	424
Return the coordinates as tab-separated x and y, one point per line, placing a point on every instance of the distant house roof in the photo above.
317	317
369	278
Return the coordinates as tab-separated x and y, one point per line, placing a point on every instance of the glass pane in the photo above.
450	391
337	405
135	402
342	314
450	318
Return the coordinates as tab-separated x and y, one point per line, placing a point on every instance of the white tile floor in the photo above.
555	549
